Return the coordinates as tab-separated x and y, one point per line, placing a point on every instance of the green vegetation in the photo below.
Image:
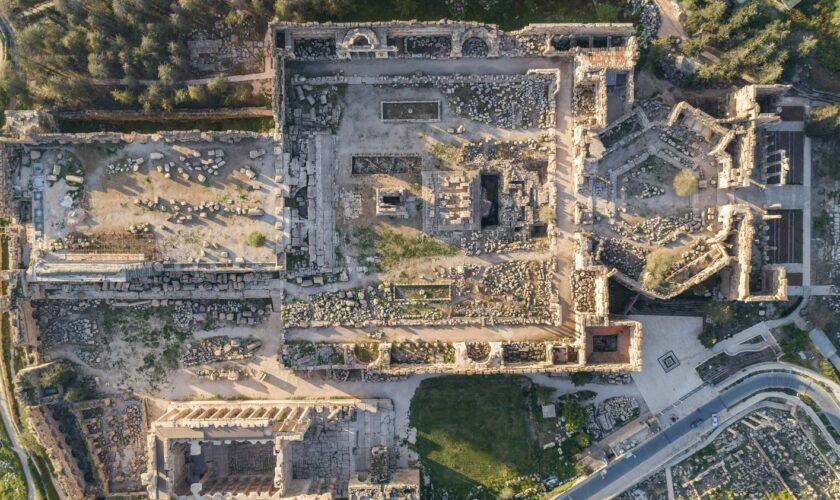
704	454
657	264
575	416
255	239
262	124
59	58
719	312
822	18
387	248
824	121
478	436
581	378
685	183
508	14
63	375
794	341
12	482
751	39
366	353
5	263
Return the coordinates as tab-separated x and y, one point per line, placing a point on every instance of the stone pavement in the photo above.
669	343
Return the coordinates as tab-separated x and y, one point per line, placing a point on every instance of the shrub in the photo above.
256	239
824	121
57	375
685	183
719	312
575	416
657	264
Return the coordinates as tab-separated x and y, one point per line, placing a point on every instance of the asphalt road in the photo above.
594	486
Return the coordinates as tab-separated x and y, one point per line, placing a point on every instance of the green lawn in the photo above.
482	431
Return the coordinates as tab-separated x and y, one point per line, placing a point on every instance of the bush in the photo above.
57	375
657	264
256	239
719	312
575	416
581	378
824	121
685	183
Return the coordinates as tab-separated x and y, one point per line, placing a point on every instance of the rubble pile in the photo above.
230	373
523	352
515	292
174	281
183	212
512	103
80	331
386	164
237	312
660	229
317	105
617	411
474	47
478	351
622	255
355	307
495	240
521	45
226	46
308	49
220	348
115	434
529	153
648	20
583	290
423	353
583	100
429	46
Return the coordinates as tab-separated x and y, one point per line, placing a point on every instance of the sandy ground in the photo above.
110	198
429	333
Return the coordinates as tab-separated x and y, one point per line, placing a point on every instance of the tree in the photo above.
152	97
166	74
657	265
583	440
217	86
126	97
197	93
59	374
581	378
719	312
685	183
574	415
78	392
256	239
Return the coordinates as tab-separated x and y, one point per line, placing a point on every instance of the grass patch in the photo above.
388	248
12	482
4	244
478	436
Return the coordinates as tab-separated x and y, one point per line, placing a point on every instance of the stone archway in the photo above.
478	42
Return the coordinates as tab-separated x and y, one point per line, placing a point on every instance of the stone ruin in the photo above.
620	166
275	449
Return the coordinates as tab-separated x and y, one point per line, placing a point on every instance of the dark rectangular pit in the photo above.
423	111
